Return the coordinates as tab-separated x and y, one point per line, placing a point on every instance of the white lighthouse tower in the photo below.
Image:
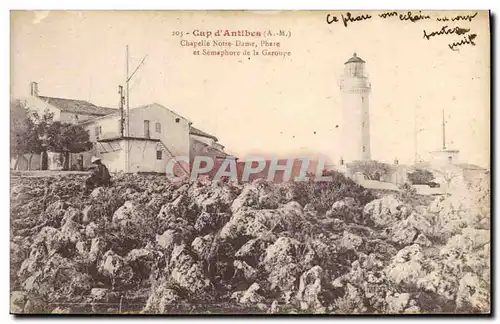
355	128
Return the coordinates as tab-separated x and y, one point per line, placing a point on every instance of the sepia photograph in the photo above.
250	162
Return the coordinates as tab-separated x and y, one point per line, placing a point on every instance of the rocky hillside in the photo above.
146	245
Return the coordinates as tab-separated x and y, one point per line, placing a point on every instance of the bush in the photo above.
322	194
407	192
372	170
420	176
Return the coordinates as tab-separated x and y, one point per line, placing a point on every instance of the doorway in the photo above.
45	161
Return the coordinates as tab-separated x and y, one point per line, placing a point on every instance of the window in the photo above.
177	120
146	129
158	127
98	130
364	149
158	155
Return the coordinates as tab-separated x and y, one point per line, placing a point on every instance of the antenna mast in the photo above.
122	99
444	133
128	95
416	130
127	146
127	84
415	134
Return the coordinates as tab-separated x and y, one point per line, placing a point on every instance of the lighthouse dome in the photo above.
355	59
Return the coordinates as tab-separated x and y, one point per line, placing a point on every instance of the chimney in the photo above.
34	89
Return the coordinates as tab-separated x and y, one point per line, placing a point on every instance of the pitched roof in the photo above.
468	166
77	106
219	153
157	104
116	112
212	150
196	131
463	166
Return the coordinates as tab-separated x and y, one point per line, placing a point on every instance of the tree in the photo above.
420	176
448	174
18	129
43	123
65	138
24	136
372	170
34	133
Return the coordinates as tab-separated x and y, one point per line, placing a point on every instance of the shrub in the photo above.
322	194
372	170
420	176
407	192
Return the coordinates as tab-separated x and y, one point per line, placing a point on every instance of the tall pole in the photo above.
416	131
120	91
128	98
444	133
415	134
127	147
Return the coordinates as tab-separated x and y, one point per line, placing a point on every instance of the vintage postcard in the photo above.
250	162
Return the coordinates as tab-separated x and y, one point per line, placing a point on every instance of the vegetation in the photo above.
407	191
32	133
65	138
24	135
448	173
321	194
372	170
420	177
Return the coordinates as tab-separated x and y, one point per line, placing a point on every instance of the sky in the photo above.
264	105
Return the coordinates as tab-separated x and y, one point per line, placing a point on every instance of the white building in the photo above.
355	127
444	155
153	135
